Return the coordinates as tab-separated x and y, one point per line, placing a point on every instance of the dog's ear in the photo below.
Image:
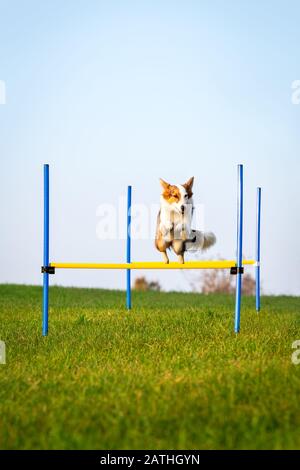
164	184
188	186
189	183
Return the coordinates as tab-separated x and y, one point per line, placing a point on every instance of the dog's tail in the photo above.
200	241
209	240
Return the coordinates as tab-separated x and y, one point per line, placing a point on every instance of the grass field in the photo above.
170	374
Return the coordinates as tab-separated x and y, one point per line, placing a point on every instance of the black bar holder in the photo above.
48	269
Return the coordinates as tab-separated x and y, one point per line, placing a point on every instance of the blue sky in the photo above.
117	93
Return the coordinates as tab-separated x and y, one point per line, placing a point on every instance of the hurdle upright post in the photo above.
239	253
257	254
46	252
128	250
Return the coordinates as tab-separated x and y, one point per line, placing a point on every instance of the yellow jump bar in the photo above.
222	264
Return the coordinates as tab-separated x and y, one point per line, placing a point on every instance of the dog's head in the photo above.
177	195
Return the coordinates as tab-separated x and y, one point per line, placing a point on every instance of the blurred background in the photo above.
124	92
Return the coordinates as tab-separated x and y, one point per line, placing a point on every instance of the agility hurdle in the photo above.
236	266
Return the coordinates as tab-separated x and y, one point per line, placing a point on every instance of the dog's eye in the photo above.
186	196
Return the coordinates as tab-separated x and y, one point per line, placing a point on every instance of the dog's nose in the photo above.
182	209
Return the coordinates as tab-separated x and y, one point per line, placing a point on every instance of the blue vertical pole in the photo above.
257	257
128	250
239	254
46	250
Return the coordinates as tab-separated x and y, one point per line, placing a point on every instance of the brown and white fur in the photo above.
174	222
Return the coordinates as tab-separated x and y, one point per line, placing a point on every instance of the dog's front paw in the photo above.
184	236
166	229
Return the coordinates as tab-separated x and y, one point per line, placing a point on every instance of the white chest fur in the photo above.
172	218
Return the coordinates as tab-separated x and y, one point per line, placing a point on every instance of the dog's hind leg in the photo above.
162	246
178	247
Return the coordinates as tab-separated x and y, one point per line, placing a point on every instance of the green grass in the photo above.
168	374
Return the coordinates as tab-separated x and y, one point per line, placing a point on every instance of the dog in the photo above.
174	222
